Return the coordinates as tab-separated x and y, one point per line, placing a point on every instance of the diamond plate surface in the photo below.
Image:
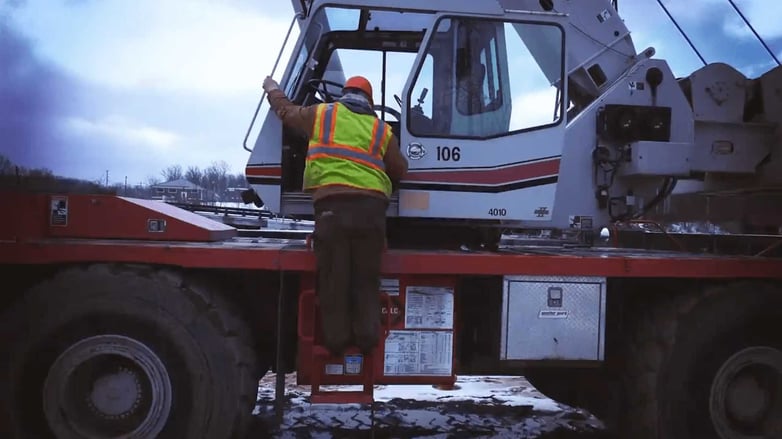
535	329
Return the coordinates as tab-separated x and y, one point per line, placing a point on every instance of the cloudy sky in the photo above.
135	86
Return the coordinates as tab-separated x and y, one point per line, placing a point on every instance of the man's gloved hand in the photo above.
270	84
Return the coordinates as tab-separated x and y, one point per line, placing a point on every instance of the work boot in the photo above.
336	346
367	343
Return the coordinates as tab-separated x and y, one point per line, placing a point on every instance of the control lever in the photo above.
418	108
423	96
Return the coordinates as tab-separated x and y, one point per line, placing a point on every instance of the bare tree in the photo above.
223	166
194	175
6	166
152	180
40	172
173	172
216	178
237	180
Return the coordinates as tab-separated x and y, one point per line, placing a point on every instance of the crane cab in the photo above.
474	92
522	114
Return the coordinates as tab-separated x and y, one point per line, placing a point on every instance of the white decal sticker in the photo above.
553	314
390	286
334	369
427	353
429	307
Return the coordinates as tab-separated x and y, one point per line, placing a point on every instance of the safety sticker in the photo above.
353	364
429	307
412	353
59	211
389	286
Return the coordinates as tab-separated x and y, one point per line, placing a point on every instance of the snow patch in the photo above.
510	391
480	406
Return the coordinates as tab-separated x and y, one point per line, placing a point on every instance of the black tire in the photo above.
188	339
677	349
586	388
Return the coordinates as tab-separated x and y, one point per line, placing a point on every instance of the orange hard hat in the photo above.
361	83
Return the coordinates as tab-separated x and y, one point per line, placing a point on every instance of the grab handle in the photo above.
263	95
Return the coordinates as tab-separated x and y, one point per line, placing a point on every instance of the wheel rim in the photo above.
107	386
746	394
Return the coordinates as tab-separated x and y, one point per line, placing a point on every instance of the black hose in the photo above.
665	190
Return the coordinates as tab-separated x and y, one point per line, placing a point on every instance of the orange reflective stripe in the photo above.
366	161
380	136
320	118
328	120
332	113
346	152
353	149
376	129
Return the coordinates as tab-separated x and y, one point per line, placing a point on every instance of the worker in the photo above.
352	162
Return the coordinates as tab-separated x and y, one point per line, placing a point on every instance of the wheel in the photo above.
109	352
708	366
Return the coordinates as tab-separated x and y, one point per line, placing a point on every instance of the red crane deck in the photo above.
46	229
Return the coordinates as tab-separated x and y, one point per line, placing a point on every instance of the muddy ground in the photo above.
478	407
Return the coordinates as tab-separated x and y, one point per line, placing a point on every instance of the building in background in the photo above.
179	190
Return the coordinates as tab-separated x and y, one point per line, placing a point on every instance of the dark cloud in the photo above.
13	3
32	94
40	104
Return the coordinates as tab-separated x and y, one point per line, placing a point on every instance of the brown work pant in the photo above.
348	242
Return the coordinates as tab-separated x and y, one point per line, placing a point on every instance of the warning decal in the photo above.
59	211
389	286
429	307
418	353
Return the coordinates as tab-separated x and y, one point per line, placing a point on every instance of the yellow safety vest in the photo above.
347	148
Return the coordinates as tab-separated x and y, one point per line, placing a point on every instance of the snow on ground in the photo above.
478	406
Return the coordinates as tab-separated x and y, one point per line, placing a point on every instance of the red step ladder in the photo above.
320	357
357	369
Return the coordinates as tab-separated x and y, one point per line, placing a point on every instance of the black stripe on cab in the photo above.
452	187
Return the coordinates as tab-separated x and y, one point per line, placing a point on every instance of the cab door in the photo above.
483	128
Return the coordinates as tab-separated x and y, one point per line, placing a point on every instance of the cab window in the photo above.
488	78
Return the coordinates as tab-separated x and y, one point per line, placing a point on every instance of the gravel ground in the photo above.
478	407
